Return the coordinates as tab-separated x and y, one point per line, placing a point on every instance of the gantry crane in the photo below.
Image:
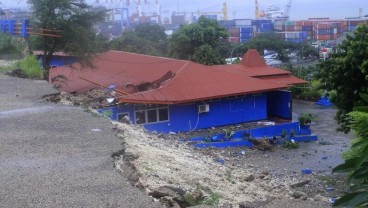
223	12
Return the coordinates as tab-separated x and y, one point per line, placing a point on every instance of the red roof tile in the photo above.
115	67
198	82
173	81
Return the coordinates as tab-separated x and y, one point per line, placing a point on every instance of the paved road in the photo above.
57	156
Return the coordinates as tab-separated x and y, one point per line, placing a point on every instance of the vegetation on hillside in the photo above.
75	19
346	72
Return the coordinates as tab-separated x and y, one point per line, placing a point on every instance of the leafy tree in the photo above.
11	47
269	41
130	42
102	43
75	19
356	165
193	38
346	72
152	32
144	39
205	54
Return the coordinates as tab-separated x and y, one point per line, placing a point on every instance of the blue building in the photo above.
168	95
58	59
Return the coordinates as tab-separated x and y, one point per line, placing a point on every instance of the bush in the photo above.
11	47
356	160
31	67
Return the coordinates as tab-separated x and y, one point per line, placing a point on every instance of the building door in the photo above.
279	103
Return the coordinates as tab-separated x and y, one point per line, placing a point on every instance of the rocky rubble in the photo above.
170	170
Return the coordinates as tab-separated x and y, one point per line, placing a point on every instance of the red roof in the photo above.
117	68
198	82
169	81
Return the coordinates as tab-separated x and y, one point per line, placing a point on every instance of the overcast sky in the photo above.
300	9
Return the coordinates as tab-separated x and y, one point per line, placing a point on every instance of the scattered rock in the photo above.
296	194
299	184
261	144
168	202
174	193
249	178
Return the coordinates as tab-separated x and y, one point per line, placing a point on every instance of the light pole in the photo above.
232	51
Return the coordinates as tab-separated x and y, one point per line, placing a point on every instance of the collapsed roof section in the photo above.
148	79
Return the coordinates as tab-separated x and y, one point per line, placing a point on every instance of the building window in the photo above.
123	117
151	113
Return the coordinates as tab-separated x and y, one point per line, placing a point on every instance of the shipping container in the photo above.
263	30
307	28
322	37
234	32
267	26
242	22
246	29
227	23
234	39
351	28
303	23
289	23
246	35
295	40
244	40
260	22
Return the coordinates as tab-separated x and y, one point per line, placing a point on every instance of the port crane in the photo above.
224	12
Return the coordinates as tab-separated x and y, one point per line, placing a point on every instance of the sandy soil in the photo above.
246	174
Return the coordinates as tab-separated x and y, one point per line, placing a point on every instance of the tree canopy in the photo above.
190	41
144	39
346	74
270	41
75	19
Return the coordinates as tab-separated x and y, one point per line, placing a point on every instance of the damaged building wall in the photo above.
185	117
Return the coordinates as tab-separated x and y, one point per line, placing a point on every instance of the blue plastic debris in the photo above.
111	87
220	160
324	158
332	200
306	171
324	101
329	189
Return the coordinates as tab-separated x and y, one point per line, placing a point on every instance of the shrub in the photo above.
31	67
356	160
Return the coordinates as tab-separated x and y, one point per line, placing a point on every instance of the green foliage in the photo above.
11	47
356	162
228	133
206	55
290	144
213	198
310	92
152	32
305	118
130	42
187	41
31	67
75	19
346	72
283	133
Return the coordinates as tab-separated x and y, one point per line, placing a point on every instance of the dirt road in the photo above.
54	155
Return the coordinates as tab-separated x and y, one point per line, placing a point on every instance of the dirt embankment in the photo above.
240	177
152	162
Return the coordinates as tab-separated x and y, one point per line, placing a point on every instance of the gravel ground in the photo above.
54	155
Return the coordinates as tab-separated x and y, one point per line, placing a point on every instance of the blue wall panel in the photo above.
279	104
60	60
184	117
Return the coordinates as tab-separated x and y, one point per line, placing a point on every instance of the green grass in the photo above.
31	67
213	198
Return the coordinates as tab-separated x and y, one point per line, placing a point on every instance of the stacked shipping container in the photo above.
322	29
